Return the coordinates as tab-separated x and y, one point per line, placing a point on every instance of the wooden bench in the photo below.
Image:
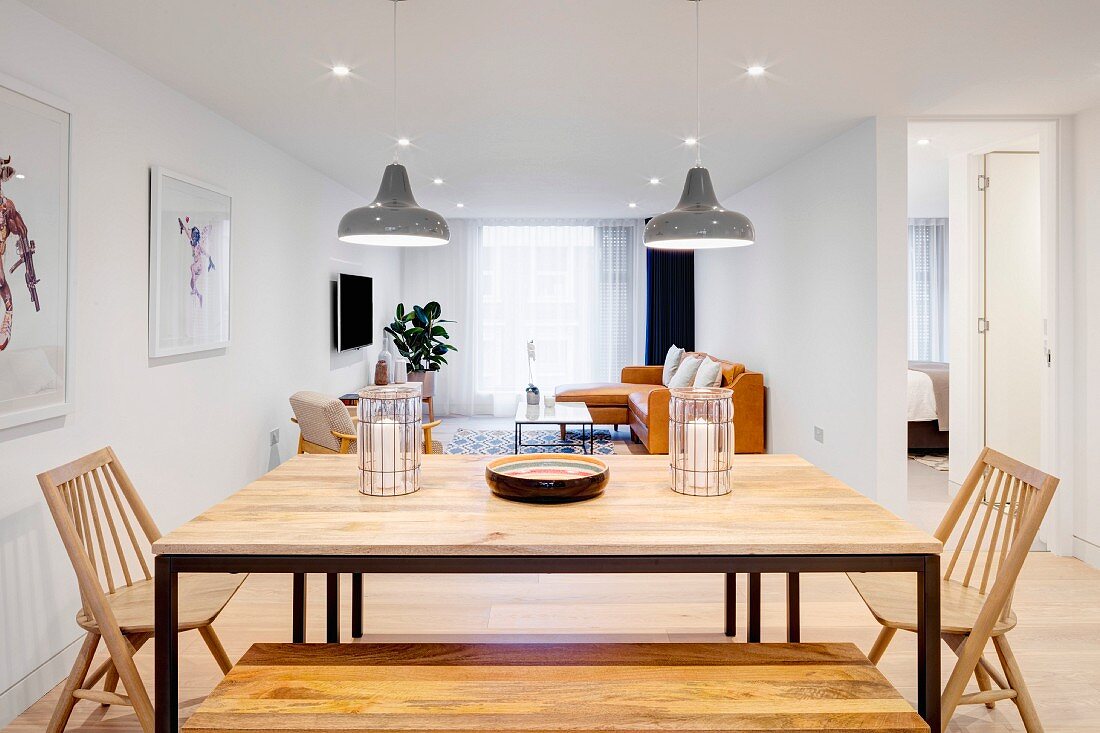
554	687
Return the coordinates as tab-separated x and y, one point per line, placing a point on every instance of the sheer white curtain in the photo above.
569	285
928	290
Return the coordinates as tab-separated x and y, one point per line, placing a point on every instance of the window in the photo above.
928	290
567	287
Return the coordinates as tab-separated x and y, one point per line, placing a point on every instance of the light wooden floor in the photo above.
1058	641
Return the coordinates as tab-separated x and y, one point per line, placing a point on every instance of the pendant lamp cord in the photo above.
395	134
698	96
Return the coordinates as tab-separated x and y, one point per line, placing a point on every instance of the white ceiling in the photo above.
566	108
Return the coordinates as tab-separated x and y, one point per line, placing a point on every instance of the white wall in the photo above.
189	430
1087	327
927	186
818	305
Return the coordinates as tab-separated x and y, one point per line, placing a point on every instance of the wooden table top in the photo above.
780	505
539	688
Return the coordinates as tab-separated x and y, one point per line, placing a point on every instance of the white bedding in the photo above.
922	400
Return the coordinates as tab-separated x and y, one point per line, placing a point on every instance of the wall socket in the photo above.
819	435
275	436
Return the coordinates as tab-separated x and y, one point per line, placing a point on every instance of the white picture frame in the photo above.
36	363
190	264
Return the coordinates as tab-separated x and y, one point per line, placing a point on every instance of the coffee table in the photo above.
562	415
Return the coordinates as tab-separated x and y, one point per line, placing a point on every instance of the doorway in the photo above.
994	183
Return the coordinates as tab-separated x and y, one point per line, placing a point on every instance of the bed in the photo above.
928	405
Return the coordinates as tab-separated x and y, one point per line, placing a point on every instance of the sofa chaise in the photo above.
640	401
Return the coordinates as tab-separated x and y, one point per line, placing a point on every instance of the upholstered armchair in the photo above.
325	422
328	426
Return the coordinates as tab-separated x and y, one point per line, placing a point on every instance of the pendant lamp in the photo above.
698	221
394	219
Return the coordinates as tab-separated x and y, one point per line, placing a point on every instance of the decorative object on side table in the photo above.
550	478
383	368
389	440
700	450
532	390
419	337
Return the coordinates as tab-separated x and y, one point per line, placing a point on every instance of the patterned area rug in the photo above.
503	442
937	461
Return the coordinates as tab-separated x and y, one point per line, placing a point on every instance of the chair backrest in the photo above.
318	415
104	524
1004	502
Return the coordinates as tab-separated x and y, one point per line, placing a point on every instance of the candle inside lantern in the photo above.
700	451
387	450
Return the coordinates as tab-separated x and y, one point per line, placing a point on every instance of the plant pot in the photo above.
427	382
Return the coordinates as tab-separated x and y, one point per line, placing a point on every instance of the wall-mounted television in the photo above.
354	312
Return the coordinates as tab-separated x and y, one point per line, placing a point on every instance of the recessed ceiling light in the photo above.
20	176
341	70
460	205
690	141
437	181
403	142
755	70
632	205
924	141
654	181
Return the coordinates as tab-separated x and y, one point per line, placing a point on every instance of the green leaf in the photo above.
433	310
400	311
440	331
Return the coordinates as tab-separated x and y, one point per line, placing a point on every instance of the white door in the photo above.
1014	346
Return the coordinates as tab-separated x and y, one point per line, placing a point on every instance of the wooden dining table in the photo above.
784	515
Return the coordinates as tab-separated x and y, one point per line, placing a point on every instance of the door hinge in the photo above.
983	182
1050	357
983	325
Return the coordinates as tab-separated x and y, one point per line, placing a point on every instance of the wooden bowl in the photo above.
547	478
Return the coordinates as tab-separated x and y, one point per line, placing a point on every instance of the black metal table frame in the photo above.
168	567
588	445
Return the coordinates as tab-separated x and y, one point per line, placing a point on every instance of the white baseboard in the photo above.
31	689
1087	552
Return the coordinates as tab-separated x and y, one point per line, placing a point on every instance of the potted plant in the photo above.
419	337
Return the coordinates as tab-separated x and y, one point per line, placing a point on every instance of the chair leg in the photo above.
562	428
74	682
1016	679
884	638
216	648
110	683
984	684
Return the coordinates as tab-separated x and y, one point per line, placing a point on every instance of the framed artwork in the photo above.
35	358
189	265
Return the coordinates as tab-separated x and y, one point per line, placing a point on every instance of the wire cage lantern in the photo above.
700	429
389	439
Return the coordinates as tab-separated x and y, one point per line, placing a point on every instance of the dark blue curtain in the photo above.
670	303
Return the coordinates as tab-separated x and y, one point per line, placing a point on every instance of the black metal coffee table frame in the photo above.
587	442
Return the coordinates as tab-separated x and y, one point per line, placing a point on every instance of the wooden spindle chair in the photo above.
107	532
1004	502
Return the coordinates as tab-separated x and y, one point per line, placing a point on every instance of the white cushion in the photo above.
709	374
672	361
685	374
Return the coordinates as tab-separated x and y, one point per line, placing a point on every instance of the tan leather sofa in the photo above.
641	402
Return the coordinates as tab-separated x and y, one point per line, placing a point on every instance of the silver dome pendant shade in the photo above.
699	221
394	218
